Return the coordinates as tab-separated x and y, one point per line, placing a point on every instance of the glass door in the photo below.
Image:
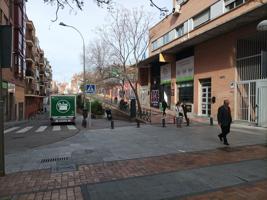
206	100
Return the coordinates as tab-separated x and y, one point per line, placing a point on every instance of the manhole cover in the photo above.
46	160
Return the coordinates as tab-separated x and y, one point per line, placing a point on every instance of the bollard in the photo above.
112	124
137	124
163	122
211	121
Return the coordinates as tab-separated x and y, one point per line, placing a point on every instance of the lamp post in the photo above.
84	103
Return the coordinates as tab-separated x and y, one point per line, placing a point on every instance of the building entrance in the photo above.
205	97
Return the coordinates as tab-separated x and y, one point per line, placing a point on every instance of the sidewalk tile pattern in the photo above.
34	181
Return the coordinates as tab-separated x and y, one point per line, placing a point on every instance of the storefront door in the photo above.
205	100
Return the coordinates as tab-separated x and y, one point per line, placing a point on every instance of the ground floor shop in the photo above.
14	106
33	105
231	66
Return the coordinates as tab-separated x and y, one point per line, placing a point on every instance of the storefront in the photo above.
185	81
165	82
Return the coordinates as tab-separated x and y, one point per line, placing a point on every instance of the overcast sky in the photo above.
62	45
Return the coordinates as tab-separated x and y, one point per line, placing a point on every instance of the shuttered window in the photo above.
201	18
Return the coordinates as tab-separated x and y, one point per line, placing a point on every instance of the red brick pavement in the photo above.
250	191
44	180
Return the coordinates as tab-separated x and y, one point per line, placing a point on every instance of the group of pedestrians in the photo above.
181	112
223	116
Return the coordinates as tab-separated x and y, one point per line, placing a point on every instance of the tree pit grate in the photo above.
46	160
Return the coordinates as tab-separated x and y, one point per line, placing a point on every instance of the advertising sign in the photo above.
185	69
155	98
165	74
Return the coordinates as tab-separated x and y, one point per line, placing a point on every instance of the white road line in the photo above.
71	127
24	130
182	151
11	129
56	128
41	129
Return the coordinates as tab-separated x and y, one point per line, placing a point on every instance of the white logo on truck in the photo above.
63	106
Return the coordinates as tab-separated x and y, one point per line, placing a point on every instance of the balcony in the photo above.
29	57
29	74
41	61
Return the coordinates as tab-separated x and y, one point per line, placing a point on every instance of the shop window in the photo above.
201	18
186	94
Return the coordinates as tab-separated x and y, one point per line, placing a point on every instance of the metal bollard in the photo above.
163	122
137	124
211	121
112	124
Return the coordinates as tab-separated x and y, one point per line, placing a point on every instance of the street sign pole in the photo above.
90	120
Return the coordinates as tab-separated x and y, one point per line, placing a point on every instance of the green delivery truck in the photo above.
62	109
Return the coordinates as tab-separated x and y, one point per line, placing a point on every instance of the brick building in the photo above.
207	51
13	13
27	82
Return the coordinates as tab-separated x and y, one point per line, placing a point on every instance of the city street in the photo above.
150	162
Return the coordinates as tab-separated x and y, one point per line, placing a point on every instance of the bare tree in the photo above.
127	34
98	57
60	4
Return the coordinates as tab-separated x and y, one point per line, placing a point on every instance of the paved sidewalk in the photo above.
237	164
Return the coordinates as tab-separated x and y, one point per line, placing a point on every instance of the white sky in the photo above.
62	45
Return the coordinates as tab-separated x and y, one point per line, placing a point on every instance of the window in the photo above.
179	31
201	18
180	2
231	4
166	38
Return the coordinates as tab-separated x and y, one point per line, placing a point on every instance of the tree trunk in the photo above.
136	95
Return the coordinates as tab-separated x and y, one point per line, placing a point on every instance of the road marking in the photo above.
71	127
41	129
11	129
182	151
56	128
24	130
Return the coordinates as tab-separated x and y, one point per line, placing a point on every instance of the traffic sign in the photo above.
90	88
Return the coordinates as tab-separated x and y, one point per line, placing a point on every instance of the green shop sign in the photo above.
4	85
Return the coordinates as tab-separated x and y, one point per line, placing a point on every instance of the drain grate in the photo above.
46	160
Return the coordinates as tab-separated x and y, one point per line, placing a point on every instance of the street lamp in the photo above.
84	103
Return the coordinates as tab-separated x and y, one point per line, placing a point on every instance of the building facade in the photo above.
27	82
205	52
38	74
13	13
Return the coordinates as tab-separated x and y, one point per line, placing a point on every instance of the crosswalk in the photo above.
39	129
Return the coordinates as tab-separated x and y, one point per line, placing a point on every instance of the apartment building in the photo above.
38	74
207	51
13	13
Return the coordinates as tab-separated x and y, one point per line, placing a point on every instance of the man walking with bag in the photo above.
224	120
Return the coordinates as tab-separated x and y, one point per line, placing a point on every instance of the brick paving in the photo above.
46	183
256	191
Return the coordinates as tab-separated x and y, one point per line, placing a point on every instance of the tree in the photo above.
127	34
60	4
97	57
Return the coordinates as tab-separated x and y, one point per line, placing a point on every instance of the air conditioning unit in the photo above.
177	10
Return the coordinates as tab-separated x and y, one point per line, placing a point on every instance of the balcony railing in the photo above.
29	74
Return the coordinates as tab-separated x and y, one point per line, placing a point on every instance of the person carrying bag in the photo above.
179	114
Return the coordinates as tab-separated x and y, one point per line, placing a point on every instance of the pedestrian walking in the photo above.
185	114
224	120
179	114
164	106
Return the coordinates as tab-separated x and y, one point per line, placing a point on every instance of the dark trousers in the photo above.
164	111
225	131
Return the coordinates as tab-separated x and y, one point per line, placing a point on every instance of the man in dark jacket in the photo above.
224	120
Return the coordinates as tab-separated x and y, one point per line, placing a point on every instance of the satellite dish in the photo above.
262	26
